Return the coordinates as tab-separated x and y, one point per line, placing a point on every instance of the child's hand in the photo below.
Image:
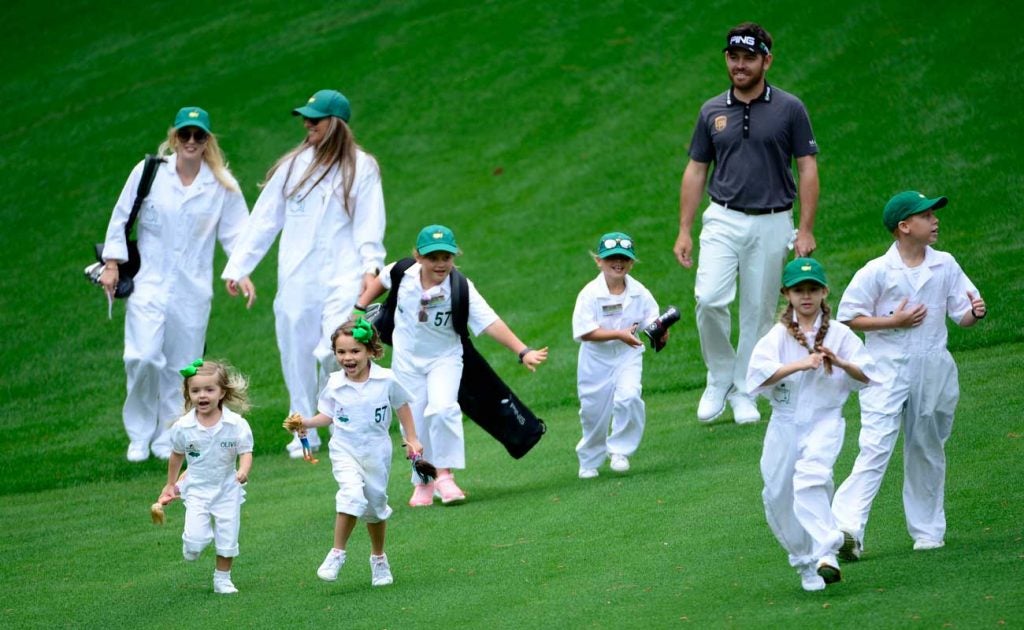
242	477
628	337
812	362
908	318
168	494
411	447
294	422
977	306
533	358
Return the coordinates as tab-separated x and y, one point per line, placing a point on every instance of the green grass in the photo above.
530	128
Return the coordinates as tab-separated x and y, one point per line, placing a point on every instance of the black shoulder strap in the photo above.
145	184
391	303
460	304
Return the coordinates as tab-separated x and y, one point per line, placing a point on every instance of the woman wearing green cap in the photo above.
324	197
193	202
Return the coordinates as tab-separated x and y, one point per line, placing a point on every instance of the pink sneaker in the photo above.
422	495
448	491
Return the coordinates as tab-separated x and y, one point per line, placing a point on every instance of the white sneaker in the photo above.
329	568
138	452
588	473
160	451
852	547
744	411
223	586
712	402
381	570
924	544
620	463
828	569
809	578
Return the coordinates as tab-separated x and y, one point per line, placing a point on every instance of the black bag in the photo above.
483	396
126	271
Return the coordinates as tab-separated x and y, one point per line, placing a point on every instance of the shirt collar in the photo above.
766	96
338	379
226	416
894	261
602	287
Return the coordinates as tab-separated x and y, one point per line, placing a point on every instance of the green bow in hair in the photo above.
191	369
362	331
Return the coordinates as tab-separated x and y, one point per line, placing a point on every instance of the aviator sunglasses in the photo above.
192	133
624	243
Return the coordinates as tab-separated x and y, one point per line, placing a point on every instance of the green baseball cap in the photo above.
436	238
907	203
615	243
801	269
325	103
192	117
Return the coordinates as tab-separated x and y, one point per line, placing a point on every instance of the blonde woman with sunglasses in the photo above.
194	201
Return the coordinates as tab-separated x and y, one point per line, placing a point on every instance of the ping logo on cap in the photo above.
742	40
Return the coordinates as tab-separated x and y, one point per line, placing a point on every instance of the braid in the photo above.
822	331
793	327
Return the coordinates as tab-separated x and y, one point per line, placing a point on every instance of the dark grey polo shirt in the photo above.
752	146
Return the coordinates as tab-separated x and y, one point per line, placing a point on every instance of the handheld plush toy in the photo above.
423	468
156	511
294	423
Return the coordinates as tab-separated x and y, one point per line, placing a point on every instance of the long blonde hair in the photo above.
793	327
212	155
230	380
338	148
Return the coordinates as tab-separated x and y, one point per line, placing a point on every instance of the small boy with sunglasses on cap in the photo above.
900	302
609	311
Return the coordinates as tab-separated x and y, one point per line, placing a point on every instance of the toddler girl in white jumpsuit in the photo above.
211	437
193	202
806	366
359	400
427	357
325	199
609	311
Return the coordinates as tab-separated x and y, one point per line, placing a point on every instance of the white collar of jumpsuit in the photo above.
205	175
631	289
227	417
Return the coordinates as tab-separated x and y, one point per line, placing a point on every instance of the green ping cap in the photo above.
907	203
436	238
325	103
615	243
192	117
801	269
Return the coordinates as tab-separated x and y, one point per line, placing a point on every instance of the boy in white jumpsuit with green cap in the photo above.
900	301
329	210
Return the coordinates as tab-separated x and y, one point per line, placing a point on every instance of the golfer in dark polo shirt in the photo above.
752	132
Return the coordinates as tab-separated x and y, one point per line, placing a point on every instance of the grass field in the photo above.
530	128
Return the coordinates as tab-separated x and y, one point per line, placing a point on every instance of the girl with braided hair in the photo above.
794	367
358	401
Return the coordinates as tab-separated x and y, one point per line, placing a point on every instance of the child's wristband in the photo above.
976	316
522	353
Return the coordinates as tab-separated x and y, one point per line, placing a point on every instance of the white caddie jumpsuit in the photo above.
427	361
361	446
210	489
322	257
922	395
804	437
167	314
608	375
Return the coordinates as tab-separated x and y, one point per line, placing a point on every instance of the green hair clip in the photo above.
362	331
191	369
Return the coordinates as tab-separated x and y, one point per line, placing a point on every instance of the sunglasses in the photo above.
191	133
610	243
